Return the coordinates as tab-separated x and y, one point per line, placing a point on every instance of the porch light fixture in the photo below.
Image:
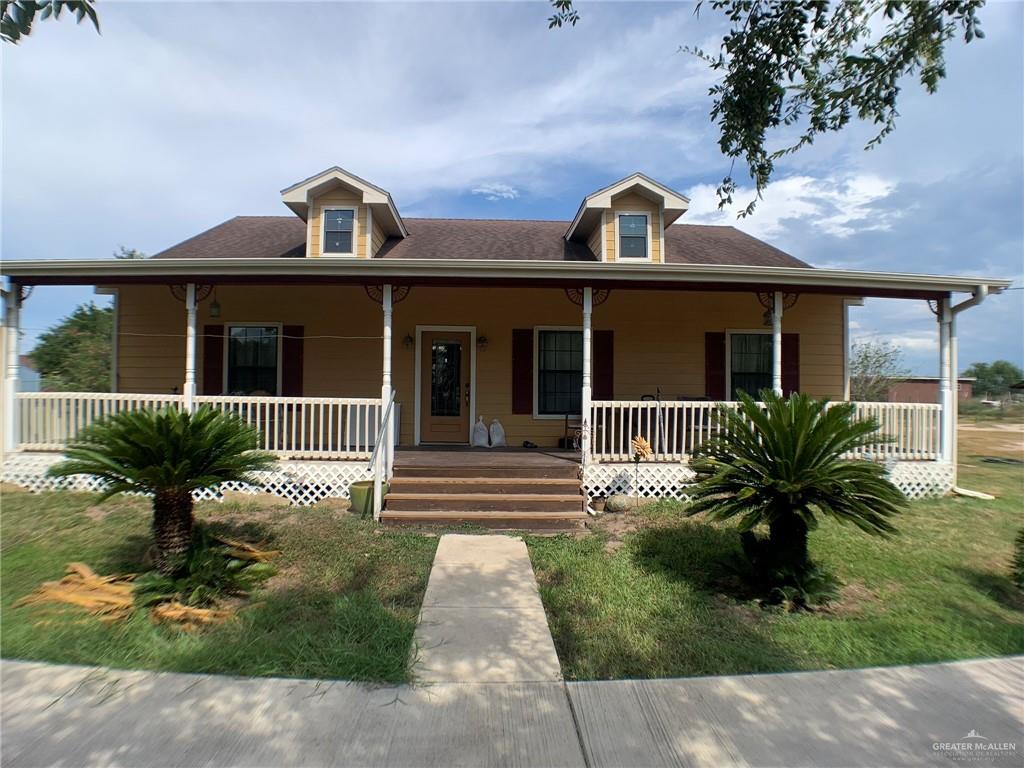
481	343
408	341
215	305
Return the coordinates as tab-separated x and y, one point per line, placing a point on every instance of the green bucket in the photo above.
361	493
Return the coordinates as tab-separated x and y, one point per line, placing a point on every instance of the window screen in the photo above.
338	227
252	360
559	372
750	363
632	236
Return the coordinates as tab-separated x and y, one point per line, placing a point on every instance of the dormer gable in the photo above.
626	221
345	216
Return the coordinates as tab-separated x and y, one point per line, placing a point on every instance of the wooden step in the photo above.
548	521
489	485
486	502
567	471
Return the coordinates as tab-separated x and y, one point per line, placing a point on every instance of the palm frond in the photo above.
786	456
149	451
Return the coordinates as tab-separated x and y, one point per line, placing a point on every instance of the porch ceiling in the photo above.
691	277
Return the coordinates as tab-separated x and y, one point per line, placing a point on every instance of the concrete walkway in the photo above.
482	620
78	716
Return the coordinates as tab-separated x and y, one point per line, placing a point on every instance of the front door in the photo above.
444	392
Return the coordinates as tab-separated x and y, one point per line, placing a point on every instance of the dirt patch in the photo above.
745	613
230	512
853	599
12	488
991	439
99	512
617	527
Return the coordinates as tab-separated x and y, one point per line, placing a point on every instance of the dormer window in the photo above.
339	231
633	236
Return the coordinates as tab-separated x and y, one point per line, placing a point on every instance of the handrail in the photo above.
380	431
377	461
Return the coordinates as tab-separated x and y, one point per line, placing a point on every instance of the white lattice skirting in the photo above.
917	479
306	482
300	482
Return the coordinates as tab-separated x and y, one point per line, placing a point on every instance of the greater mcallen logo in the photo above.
975	746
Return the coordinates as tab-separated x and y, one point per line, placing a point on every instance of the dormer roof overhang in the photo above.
298	197
589	213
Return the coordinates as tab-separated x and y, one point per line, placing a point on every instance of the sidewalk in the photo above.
76	716
482	620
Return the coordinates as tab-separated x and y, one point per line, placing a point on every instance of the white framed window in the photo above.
252	359
338	231
633	235
748	362
557	372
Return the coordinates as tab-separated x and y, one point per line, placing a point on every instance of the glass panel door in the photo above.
445	384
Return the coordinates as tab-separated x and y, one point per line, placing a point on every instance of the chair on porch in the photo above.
572	435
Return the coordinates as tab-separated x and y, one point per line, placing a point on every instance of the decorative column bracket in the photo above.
599	295
399	293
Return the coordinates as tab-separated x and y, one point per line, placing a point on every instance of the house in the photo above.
926	389
343	329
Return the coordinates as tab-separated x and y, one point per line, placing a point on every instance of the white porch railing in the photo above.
675	428
290	427
48	420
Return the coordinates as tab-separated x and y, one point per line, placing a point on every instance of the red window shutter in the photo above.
604	365
714	365
790	363
522	370
213	359
291	360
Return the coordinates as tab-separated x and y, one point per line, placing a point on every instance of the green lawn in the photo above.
343	605
647	596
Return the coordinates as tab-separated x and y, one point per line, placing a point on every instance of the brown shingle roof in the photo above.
495	239
243	237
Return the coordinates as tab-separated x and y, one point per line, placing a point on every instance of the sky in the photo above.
181	115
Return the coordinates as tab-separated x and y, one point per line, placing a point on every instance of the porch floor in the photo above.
462	456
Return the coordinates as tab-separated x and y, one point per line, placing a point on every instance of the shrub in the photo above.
779	465
168	454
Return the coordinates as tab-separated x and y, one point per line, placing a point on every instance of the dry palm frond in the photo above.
109	597
243	551
641	448
188	617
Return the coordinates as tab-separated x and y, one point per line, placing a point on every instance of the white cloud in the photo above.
172	134
495	190
840	206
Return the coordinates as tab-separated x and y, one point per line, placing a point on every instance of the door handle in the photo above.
467	394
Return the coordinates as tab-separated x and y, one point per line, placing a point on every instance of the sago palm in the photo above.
780	464
168	454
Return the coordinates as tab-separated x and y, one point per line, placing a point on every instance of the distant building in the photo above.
925	389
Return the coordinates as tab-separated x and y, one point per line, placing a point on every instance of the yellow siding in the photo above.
594	241
633	203
377	240
157	363
339	198
659	340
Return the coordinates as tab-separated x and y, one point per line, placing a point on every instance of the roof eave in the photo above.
194	270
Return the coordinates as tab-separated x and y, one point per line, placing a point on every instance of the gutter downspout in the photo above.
979	295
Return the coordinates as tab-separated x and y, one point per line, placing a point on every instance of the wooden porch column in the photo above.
12	329
189	389
586	426
947	437
385	389
777	343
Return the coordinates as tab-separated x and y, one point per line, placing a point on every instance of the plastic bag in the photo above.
497	434
480	434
